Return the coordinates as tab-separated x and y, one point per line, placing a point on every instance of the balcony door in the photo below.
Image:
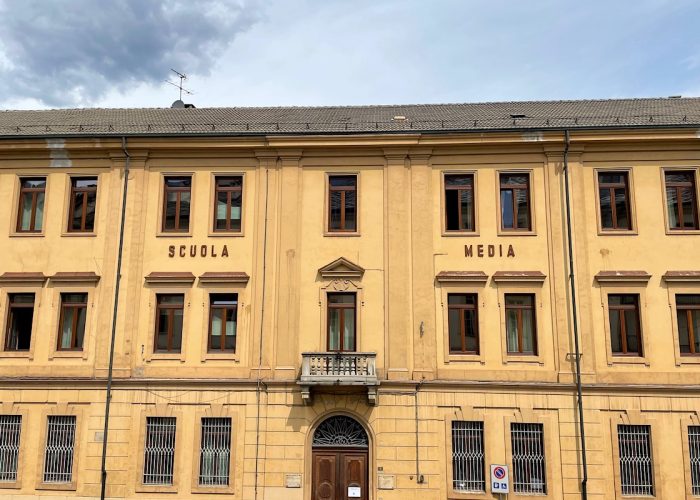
340	457
341	322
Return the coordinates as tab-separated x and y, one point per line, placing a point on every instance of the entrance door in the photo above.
339	474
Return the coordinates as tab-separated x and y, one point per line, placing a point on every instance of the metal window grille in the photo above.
636	475
694	449
529	473
468	456
215	452
60	444
10	428
159	452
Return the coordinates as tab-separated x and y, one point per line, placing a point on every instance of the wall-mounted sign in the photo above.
499	479
489	251
197	251
354	492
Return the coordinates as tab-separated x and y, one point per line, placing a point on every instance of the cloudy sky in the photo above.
117	53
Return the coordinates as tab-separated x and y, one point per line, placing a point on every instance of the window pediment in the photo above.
341	268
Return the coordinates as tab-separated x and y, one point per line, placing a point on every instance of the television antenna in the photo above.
182	77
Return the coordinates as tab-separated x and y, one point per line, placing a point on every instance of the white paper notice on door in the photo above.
354	492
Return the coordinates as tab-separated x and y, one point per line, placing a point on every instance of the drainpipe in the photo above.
572	283
108	398
419	477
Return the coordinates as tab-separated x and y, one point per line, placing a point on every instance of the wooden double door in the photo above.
339	474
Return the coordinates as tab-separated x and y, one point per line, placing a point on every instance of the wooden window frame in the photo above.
459	189
692	334
462	308
35	194
10	307
178	191
342	190
678	186
212	307
229	191
76	306
171	308
623	328
85	192
528	190
612	187
519	309
329	308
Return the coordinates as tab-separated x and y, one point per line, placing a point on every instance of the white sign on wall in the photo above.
499	479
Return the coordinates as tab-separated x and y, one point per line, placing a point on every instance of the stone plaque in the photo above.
386	482
292	480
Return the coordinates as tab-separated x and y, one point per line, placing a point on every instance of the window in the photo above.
83	198
688	314
73	314
515	202
10	428
159	452
342	203
19	322
625	333
694	450
215	452
636	474
60	444
176	204
227	203
32	193
341	321
169	315
613	193
521	332
462	322
680	200
223	313
468	456
527	442
459	202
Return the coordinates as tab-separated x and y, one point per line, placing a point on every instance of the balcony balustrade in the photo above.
339	369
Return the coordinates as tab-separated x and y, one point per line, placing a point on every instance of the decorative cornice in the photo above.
224	277
341	268
640	277
173	278
462	277
27	277
74	277
682	277
519	277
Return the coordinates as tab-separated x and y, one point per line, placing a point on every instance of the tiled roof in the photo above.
532	115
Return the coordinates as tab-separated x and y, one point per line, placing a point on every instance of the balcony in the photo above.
339	369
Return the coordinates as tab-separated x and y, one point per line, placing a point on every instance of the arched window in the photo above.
340	431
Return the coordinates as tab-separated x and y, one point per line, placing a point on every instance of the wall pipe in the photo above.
110	371
572	283
419	477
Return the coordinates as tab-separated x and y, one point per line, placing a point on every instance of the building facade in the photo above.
336	303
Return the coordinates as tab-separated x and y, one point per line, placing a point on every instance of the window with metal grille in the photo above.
694	451
215	452
529	473
159	452
636	468
10	428
468	456
60	444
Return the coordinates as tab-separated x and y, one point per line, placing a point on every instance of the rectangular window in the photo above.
459	202
521	330
529	473
30	218
680	200
19	322
468	456
215	452
688	315
10	429
227	203
159	452
636	468
694	450
60	444
625	331
72	323
176	204
83	199
342	203
341	321
223	318
515	202
613	193
463	323
169	317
